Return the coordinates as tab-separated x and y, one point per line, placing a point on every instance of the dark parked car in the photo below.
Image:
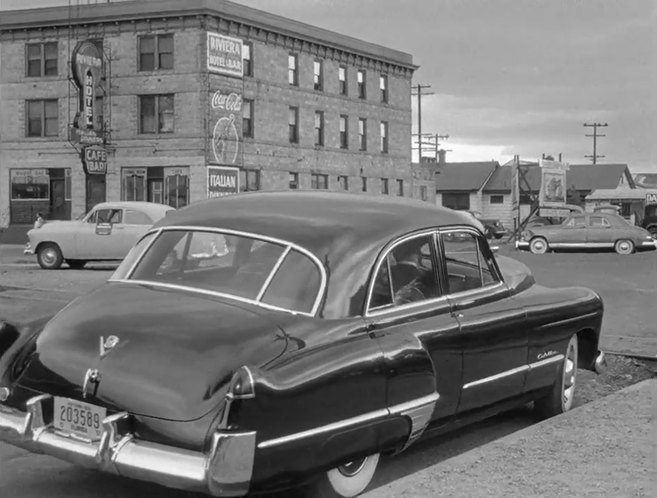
587	231
260	341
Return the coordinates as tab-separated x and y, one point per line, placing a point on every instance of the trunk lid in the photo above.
175	349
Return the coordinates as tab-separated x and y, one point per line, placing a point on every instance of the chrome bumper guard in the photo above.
600	363
225	471
28	249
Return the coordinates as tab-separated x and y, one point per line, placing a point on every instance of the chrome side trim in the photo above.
514	371
582	244
225	470
281	242
325	428
416	409
568	320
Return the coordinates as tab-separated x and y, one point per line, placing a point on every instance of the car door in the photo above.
411	319
599	232
97	236
135	224
571	233
491	322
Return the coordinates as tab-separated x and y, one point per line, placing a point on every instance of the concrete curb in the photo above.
604	448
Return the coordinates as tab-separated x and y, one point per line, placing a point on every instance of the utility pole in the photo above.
595	136
418	91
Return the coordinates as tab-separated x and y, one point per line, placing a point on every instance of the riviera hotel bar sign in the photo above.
224	55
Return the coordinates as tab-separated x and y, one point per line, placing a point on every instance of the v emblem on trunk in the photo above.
107	345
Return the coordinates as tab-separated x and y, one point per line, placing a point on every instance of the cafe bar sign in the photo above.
86	66
94	160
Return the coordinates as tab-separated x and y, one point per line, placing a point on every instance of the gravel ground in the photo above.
621	372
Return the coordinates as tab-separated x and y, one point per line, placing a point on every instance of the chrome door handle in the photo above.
458	315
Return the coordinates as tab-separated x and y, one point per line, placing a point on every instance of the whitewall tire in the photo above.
347	480
538	245
562	395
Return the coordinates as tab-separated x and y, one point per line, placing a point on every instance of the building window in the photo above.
400	188
343	181
318	181
342	80
156	113
362	134
41	59
319	128
294	180
293	124
384	186
457	200
363	184
29	184
247	118
423	192
318	75
292	71
155	52
100	111
384	137
247	62
497	199
344	131
383	86
362	93
251	180
42	118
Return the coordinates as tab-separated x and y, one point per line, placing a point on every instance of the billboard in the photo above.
554	188
224	55
223	180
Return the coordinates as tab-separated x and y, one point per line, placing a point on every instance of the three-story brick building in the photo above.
173	102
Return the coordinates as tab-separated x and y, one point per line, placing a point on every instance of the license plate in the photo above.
79	418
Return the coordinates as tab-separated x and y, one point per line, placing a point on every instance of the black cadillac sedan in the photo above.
264	341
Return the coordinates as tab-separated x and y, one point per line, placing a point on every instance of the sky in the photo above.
511	77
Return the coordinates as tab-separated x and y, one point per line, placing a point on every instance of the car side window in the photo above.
295	284
598	222
406	274
576	222
466	266
133	217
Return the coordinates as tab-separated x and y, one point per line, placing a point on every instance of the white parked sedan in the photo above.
105	233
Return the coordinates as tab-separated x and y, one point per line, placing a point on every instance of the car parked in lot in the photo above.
602	230
493	227
105	233
322	331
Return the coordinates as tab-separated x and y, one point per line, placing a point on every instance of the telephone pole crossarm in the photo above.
595	136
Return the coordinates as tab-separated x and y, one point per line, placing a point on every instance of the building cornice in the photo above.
222	15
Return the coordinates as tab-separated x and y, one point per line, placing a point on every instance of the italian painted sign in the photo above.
223	180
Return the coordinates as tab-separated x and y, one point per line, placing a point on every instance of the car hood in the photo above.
176	349
517	275
54	226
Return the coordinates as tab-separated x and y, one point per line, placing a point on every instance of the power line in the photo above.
418	91
595	136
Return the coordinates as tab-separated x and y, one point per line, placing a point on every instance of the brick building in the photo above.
172	102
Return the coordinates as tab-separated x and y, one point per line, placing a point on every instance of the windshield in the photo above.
242	266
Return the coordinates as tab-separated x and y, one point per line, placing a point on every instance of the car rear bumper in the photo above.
225	470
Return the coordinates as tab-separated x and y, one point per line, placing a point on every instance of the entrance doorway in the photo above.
95	190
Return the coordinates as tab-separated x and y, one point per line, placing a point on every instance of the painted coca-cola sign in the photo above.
231	102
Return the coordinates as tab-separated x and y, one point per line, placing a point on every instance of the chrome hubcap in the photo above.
569	374
539	245
624	247
49	256
350	469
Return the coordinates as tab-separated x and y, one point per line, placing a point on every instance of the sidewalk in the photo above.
601	449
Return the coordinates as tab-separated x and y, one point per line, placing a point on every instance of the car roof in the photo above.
346	231
154	209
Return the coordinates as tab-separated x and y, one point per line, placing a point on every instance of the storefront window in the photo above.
29	184
176	189
134	184
67	184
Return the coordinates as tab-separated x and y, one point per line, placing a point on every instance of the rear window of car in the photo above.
246	267
133	217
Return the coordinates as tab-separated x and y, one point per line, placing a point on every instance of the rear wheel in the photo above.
76	264
49	256
347	480
624	246
561	397
538	245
